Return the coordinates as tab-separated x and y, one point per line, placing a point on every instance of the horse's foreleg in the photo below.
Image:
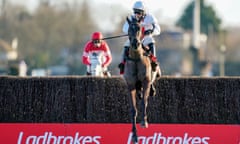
144	103
134	115
144	123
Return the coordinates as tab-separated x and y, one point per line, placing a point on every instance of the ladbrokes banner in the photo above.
118	134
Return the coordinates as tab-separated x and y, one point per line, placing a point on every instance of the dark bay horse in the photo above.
137	70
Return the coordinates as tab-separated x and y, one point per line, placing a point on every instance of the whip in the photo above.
112	37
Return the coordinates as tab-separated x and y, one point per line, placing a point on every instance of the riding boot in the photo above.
152	51
155	76
124	56
154	65
159	73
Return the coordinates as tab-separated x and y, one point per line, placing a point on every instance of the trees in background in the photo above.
45	33
208	16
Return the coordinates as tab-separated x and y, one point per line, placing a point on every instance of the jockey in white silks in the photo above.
150	28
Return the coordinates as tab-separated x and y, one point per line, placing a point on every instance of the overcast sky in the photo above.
227	10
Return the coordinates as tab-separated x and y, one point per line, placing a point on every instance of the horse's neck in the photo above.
136	53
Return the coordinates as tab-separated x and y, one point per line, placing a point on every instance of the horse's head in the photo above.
134	32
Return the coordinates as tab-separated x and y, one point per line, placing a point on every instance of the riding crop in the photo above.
112	37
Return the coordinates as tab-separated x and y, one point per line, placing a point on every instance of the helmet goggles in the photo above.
96	41
138	11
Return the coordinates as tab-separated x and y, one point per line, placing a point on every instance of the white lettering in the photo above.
205	139
87	139
153	139
96	139
177	140
59	139
161	138
129	138
187	139
49	138
68	138
158	138
20	138
31	139
77	140
169	139
196	140
43	138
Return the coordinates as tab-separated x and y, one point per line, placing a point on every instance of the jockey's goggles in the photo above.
96	41
139	12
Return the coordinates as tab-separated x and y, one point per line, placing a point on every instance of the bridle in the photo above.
134	32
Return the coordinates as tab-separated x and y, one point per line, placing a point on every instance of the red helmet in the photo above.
97	36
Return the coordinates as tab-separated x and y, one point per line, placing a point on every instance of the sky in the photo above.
227	10
166	10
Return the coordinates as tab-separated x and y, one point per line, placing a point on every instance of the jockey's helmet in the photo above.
97	36
139	7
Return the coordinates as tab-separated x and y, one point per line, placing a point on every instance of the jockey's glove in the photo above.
153	58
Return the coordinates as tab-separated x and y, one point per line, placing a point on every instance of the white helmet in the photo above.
139	5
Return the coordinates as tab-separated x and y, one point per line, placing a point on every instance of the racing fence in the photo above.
78	99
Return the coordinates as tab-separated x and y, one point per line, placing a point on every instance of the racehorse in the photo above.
96	69
137	72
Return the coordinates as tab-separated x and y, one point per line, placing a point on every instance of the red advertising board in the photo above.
54	133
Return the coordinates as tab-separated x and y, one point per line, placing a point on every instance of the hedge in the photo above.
79	99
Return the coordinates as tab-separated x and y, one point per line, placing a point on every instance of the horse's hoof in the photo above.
144	124
135	139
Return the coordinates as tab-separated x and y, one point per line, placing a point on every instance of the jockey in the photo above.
98	49
150	27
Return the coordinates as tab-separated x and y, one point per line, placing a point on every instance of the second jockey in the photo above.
96	49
